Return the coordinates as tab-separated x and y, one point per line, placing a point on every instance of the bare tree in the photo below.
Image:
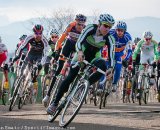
61	18
58	19
94	16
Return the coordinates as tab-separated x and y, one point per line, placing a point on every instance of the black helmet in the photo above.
38	28
81	17
22	37
136	40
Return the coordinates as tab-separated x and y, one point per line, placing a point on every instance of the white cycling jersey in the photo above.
147	52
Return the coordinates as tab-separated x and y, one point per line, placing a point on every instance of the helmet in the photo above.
54	31
121	25
23	37
147	34
38	28
136	40
81	17
106	18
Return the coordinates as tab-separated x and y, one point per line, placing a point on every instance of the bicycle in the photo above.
46	80
135	83
23	87
158	81
76	94
61	77
126	85
4	92
144	83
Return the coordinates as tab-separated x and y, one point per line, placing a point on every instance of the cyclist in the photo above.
54	35
25	50
38	47
70	36
21	41
123	44
3	58
148	52
158	68
89	45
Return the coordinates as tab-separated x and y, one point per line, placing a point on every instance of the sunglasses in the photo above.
148	39
54	37
38	33
107	26
120	30
80	24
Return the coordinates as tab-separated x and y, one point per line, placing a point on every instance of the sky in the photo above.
19	10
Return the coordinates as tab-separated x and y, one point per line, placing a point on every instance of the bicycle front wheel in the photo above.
74	103
15	93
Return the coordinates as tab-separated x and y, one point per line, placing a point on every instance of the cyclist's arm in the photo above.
22	46
137	49
47	48
63	37
129	50
111	49
155	50
86	32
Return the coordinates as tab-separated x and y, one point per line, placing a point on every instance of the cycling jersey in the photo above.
25	50
123	44
3	53
105	52
51	44
91	44
36	47
69	33
147	52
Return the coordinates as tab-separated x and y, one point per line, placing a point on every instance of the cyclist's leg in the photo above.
101	84
143	60
37	58
46	65
100	63
66	51
117	72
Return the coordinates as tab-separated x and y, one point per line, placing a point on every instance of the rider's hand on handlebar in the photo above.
80	56
109	73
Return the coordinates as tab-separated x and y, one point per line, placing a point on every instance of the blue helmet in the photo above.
121	25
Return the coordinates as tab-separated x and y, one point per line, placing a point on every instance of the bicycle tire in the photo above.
45	86
82	85
4	98
14	96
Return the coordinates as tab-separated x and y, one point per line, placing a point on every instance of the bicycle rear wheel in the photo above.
74	103
5	96
51	118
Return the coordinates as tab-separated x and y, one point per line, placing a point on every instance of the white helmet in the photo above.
54	31
147	34
106	18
